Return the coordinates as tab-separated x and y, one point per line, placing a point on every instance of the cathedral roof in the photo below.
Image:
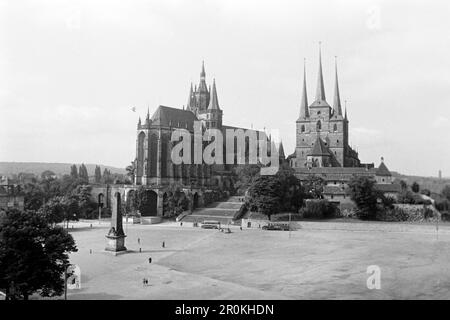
167	116
383	170
319	148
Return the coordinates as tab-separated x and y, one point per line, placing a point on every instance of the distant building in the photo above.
11	195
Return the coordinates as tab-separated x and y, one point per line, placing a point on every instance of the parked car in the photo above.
277	227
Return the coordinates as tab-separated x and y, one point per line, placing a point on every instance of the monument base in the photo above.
115	243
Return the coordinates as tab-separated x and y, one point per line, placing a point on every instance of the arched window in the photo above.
303	128
318	125
335	127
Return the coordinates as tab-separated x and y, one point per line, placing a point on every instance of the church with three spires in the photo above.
322	145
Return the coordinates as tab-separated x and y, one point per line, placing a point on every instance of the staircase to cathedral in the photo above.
222	211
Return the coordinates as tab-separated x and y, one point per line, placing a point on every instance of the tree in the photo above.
33	196
33	255
403	185
131	169
74	171
107	176
83	173
415	187
47	174
98	174
313	186
87	207
364	194
265	195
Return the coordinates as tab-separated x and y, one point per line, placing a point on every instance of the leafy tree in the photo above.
33	255
313	186
107	176
98	174
83	173
87	207
265	195
131	169
415	187
54	210
33	196
47	174
74	171
403	185
244	176
365	196
292	192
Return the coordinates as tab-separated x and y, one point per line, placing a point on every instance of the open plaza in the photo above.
320	260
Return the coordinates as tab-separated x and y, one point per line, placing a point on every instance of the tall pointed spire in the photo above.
202	85
190	99
213	102
304	111
345	110
320	92
337	98
203	74
148	113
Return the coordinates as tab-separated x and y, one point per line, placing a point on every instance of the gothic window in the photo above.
140	155
335	127
303	128
318	126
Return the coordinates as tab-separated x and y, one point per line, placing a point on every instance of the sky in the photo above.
72	72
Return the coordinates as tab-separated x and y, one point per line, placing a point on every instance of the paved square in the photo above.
322	260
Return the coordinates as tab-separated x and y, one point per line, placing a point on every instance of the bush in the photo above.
319	209
445	216
393	215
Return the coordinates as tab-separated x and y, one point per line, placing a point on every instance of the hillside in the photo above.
433	184
9	168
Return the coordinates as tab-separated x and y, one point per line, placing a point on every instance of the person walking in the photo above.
163	244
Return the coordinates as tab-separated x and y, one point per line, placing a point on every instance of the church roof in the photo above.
167	116
383	170
388	187
319	148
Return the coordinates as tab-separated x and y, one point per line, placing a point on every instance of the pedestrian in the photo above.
181	224
150	260
91	225
140	249
163	244
139	241
143	282
90	251
240	228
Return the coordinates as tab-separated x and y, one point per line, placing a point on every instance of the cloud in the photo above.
440	122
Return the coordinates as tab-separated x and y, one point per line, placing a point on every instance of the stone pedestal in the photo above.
115	243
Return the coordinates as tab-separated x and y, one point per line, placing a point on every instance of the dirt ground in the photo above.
321	260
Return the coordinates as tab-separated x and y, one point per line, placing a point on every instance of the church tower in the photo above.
213	115
319	123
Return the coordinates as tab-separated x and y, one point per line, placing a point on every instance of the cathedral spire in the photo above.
190	100
202	85
203	74
214	102
320	92
345	110
148	113
337	98
304	112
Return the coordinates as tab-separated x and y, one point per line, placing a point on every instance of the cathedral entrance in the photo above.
149	204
